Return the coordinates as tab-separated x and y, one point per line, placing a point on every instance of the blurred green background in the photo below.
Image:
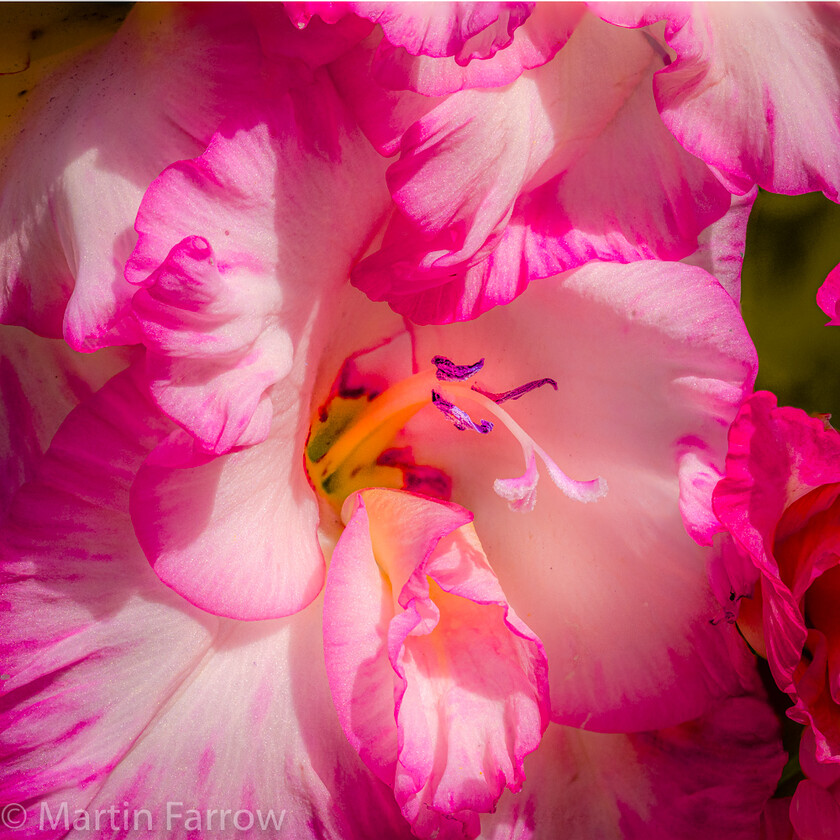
792	242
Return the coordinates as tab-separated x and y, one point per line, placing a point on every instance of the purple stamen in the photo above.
460	419
515	393
448	371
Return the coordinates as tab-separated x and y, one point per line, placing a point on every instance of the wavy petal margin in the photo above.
94	139
497	188
440	687
778	61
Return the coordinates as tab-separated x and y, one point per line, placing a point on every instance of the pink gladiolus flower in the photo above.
190	627
249	722
778	502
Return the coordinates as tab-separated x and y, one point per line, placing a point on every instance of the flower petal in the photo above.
443	61
41	380
652	361
60	592
438	684
722	244
214	351
448	29
317	33
235	535
779	62
775	821
238	252
814	812
66	227
828	296
707	778
238	261
123	696
466	240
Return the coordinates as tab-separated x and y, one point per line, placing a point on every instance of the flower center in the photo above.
348	447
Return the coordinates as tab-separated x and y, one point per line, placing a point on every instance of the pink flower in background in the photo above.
778	502
273	547
828	295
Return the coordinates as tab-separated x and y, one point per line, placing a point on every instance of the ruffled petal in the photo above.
123	696
652	361
238	254
465	31
97	136
778	501
445	62
466	239
239	260
214	351
779	62
438	684
707	778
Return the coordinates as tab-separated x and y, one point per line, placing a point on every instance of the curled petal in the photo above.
466	240
237	255
516	40
785	133
438	684
214	352
66	227
238	263
463	30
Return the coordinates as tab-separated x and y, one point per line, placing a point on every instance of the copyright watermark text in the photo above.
172	816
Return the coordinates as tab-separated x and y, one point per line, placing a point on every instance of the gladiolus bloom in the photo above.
272	550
